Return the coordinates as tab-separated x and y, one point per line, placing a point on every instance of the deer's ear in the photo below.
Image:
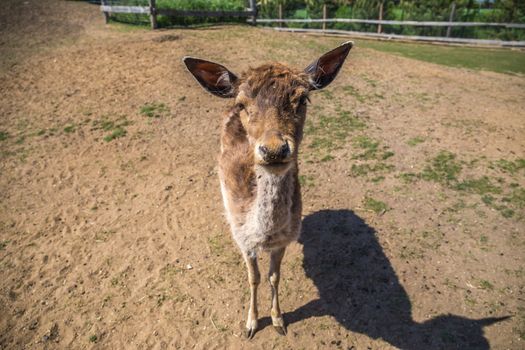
324	70
213	77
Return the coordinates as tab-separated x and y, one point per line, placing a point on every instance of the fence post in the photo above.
253	6
106	14
324	17
451	18
280	14
153	13
380	27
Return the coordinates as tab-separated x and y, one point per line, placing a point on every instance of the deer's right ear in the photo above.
213	77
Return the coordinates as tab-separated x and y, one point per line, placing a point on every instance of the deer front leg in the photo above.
274	275
254	278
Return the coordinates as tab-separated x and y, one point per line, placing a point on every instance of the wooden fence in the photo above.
153	11
380	22
429	39
406	23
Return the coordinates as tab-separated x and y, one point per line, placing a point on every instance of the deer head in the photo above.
271	100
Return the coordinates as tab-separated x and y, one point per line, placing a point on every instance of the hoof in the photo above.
279	329
279	326
251	329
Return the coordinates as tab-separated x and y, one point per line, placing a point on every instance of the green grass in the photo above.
3	244
216	245
4	135
371	158
415	141
495	193
154	110
367	144
484	284
69	128
481	186
516	198
306	180
443	168
115	134
408	177
496	60
364	169
509	166
375	205
330	132
116	128
352	91
371	149
327	158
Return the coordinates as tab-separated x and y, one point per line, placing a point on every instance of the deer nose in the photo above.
274	154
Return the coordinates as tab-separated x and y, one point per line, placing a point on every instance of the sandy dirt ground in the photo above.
112	233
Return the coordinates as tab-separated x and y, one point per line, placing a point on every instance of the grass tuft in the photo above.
481	186
443	169
117	128
415	141
69	128
330	133
115	134
509	166
375	205
306	180
154	110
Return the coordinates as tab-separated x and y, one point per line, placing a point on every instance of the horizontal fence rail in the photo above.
197	13
153	12
125	9
388	22
173	12
407	37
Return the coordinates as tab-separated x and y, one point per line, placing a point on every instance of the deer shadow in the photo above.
360	289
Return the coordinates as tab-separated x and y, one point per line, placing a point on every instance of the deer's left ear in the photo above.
324	70
213	77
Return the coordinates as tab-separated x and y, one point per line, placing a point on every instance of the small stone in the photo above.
189	267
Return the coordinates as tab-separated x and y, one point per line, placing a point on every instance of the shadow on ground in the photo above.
360	289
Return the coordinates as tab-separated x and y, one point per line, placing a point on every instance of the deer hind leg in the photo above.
274	275
254	278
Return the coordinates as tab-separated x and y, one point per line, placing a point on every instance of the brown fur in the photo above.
258	168
271	95
263	203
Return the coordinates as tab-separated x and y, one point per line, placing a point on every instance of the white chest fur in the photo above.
269	216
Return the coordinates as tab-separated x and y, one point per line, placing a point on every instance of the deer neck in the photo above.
273	201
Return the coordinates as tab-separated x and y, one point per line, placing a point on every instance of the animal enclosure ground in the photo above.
112	232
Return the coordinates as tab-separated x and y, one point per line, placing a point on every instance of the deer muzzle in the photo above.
273	148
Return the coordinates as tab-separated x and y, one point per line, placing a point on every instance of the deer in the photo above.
258	159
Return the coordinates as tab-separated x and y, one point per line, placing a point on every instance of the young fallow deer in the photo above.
258	171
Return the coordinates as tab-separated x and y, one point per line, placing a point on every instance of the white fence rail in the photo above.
388	22
434	39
